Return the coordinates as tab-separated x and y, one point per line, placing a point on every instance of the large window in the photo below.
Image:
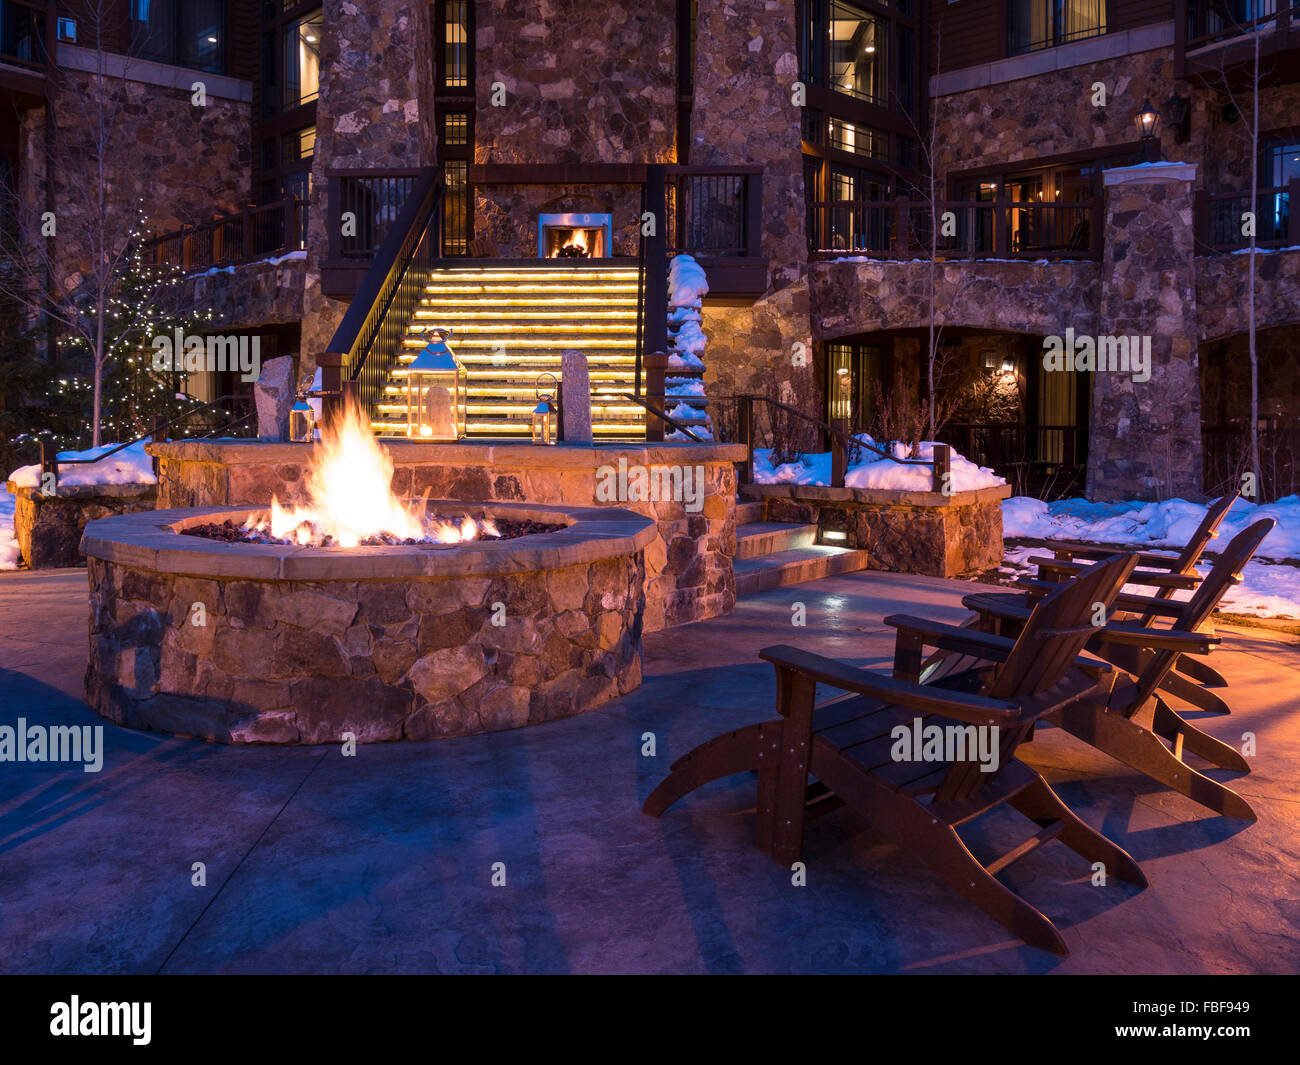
1035	24
185	33
302	60
456	68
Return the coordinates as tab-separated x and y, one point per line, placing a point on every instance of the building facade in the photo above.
882	193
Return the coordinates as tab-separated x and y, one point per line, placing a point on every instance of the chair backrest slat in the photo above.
1205	532
1225	573
1056	632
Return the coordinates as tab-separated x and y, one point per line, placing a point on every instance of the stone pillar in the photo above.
375	110
746	67
1144	440
575	393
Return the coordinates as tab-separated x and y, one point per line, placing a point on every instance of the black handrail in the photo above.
50	463
390	285
662	415
841	442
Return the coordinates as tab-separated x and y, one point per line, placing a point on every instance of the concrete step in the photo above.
803	564
748	513
769	537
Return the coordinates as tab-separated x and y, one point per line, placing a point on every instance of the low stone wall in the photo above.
242	643
903	532
48	528
689	565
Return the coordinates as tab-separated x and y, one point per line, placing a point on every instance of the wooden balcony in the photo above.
1215	40
26	44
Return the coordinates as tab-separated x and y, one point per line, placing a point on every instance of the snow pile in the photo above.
1169	523
874	471
129	466
687	285
8	545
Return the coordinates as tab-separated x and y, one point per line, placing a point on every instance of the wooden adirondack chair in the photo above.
847	745
1165	573
1148	654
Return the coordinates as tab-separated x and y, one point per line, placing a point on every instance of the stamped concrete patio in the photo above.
384	862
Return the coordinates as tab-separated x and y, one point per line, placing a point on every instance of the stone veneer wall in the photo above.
746	66
902	532
1023	297
49	528
1144	440
585	83
689	564
180	163
385	658
375	110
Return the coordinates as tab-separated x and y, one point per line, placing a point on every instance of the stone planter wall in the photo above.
49	528
903	532
240	643
689	563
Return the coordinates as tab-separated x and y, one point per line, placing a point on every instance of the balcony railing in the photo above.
1213	21
998	229
1221	219
363	205
253	234
715	211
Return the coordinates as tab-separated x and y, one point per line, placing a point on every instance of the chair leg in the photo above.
732	752
1169	724
943	850
1190	691
1128	742
1200	671
1039	802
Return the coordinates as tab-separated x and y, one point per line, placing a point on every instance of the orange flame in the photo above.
351	500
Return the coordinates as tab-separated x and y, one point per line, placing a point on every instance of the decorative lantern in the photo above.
1147	121
436	399
302	419
545	418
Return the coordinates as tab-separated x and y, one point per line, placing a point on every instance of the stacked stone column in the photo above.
1145	436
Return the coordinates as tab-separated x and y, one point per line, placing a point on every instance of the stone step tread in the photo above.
769	537
798	566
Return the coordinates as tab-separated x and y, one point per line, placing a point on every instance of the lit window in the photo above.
302	60
455	129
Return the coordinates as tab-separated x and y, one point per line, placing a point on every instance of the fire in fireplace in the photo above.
574	236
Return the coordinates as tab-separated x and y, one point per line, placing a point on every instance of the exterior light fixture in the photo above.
301	417
1008	365
436	385
1147	121
545	419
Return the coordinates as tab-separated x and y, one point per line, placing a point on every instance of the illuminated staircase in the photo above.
510	324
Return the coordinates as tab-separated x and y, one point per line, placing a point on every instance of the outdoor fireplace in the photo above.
574	236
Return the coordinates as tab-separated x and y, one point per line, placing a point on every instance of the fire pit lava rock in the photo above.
271	643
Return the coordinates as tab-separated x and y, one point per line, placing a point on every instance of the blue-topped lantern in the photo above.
436	395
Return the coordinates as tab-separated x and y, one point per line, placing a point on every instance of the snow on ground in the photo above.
1166	524
8	545
1270	585
873	471
129	466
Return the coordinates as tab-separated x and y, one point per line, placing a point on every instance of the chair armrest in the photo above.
1138	604
1188	581
1196	643
962	706
954	637
986	603
1065	551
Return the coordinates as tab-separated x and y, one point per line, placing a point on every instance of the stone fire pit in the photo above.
250	643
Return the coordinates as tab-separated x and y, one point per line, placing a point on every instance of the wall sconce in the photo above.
990	357
1179	112
1008	365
